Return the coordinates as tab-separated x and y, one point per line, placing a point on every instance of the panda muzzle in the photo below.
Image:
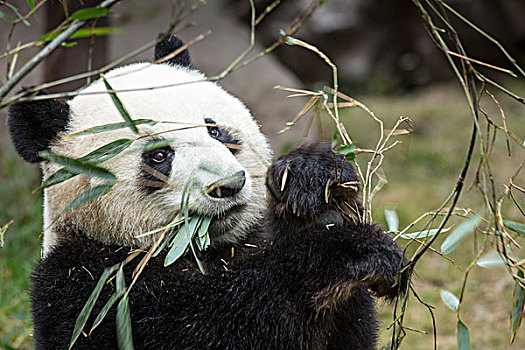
228	186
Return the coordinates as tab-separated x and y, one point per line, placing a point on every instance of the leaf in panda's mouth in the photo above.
194	229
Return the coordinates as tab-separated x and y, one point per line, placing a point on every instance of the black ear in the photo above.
169	45
34	124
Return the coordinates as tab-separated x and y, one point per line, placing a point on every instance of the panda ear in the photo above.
167	46
33	125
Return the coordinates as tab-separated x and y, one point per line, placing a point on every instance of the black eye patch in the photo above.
223	136
156	167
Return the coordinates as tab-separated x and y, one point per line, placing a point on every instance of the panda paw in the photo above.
309	179
390	276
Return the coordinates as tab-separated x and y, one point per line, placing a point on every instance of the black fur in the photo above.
223	136
305	290
34	125
167	46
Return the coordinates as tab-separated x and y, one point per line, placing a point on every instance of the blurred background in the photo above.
385	59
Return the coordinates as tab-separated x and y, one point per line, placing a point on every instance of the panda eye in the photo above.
159	156
214	132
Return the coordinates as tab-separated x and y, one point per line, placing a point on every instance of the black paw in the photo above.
310	179
390	284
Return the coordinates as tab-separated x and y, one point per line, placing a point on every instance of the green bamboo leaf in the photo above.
19	15
109	127
490	259
88	306
77	166
122	110
156	144
203	237
106	152
102	314
165	242
87	196
515	226
57	177
123	323
99	155
450	300
348	151
392	220
518	302
81	33
70	44
182	240
459	234
423	234
463	336
99	31
123	319
335	139
50	35
169	236
5	17
89	13
31	4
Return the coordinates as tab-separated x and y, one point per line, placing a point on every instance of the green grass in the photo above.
421	172
21	247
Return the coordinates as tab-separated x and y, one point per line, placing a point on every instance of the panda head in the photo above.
207	136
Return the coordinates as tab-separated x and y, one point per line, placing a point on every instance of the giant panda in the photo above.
290	266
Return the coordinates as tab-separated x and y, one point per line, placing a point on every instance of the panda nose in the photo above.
227	187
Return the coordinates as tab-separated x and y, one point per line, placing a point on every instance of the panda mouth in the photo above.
233	210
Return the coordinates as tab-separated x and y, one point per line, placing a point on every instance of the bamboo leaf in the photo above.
99	155
168	238
459	234
490	259
77	166
515	226
156	144
20	17
392	220
70	44
57	177
5	17
123	319
31	4
518	302
203	237
348	151
423	234
89	13
109	127
122	110
86	310
99	31
102	314
335	139
463	341
81	33
106	152
182	240
450	300
87	196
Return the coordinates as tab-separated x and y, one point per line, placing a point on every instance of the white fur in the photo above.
126	212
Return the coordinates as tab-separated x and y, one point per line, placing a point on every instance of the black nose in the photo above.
227	187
